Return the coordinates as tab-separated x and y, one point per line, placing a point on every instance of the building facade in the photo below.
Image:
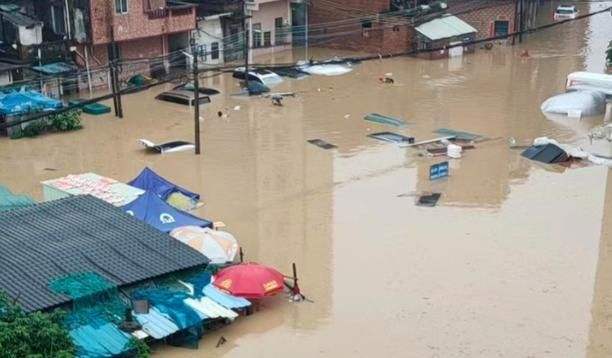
269	26
358	25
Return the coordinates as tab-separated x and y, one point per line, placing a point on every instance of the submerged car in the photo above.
207	91
183	97
565	12
265	77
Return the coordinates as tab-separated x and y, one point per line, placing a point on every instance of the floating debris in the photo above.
429	200
322	144
379	118
459	135
392	137
169	147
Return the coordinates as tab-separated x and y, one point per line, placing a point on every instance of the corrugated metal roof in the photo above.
20	19
445	27
156	324
81	234
9	201
225	300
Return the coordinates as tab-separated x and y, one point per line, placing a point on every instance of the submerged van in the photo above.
589	81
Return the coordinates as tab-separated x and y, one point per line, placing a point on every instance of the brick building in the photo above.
494	18
372	31
154	31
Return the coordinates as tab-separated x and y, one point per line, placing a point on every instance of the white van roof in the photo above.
590	81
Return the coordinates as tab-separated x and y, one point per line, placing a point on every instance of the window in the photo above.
279	31
366	24
257	35
121	6
267	38
57	20
278	22
500	28
214	51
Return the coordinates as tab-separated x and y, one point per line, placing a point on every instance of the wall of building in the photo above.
209	31
483	20
383	38
136	23
266	15
6	78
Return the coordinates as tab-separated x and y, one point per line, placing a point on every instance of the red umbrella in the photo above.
250	280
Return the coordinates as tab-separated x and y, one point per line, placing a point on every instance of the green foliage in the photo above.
32	335
63	122
140	348
67	121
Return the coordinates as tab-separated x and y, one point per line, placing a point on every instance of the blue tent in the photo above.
149	180
159	214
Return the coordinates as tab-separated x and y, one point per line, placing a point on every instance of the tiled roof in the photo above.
81	234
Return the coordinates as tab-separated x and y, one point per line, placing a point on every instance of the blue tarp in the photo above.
16	103
159	214
149	180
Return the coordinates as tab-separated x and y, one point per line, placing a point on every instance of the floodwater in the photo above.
513	262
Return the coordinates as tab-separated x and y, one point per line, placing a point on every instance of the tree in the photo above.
32	335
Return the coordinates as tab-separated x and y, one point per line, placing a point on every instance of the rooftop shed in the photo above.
81	234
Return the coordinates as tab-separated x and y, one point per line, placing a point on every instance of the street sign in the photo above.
438	171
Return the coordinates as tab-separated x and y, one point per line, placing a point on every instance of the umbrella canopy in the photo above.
249	280
219	246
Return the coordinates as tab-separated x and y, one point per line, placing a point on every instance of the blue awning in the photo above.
16	103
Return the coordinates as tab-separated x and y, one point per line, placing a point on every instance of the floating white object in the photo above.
454	151
236	108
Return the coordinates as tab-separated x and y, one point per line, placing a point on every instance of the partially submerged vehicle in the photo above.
265	77
183	97
586	94
565	12
207	91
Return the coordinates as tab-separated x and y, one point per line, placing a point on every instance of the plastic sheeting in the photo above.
16	103
576	104
104	340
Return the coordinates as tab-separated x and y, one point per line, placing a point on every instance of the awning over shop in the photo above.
445	27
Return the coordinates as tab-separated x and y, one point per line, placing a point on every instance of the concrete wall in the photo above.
209	31
6	78
266	15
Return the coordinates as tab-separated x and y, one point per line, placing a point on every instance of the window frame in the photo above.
125	7
214	50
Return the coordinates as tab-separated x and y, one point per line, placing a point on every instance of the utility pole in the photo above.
246	45
115	87
521	25
196	97
307	4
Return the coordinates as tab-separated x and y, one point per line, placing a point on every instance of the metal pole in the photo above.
521	25
196	95
307	3
88	70
246	45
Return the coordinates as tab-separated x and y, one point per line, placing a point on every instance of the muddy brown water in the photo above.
514	261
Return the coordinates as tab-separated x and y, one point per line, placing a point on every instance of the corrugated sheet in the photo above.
155	324
9	201
81	234
99	340
209	308
225	300
445	27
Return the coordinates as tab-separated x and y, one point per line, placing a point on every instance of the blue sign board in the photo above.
438	171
